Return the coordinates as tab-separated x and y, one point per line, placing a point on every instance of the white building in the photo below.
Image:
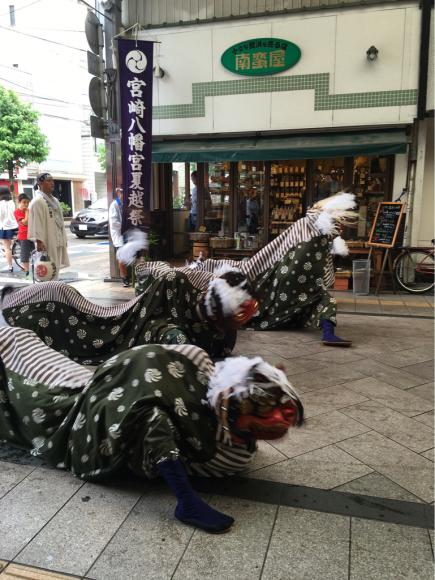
52	74
344	119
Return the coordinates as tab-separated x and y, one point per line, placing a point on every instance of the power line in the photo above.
40	96
43	39
22	8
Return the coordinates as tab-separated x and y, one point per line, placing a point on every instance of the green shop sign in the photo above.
261	56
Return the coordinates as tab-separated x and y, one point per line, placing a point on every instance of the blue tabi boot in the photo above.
191	509
329	338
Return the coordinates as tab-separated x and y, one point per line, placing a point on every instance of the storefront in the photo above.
255	191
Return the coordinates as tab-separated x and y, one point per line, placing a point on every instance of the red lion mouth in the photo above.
271	425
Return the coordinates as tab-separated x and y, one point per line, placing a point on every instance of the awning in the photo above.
297	146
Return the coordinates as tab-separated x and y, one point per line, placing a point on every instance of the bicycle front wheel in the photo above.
414	271
16	254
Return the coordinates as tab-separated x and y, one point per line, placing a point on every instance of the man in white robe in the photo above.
46	226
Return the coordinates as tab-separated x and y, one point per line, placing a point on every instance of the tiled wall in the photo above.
319	82
332	85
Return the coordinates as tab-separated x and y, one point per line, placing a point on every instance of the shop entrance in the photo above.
62	190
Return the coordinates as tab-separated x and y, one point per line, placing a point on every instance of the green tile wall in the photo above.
319	82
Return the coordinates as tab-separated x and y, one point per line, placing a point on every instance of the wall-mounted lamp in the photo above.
372	53
158	72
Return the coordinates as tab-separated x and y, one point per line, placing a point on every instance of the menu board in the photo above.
386	225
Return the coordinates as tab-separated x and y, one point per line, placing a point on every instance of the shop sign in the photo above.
261	56
136	82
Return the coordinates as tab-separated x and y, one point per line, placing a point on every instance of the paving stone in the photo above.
30	506
376	485
394	425
329	399
73	539
149	543
323	468
425	391
230	555
401	465
429	454
328	377
308	545
3	565
387	551
397	377
266	455
11	474
426	418
18	572
403	401
318	432
424	370
407	357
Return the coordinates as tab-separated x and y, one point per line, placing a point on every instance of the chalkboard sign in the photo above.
386	224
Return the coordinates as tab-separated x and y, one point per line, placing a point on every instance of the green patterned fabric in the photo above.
165	314
140	407
292	293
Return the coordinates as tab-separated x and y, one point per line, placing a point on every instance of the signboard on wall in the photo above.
261	56
136	88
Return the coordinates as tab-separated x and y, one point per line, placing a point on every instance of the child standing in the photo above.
22	217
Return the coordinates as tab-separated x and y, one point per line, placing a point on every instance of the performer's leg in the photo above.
329	338
190	508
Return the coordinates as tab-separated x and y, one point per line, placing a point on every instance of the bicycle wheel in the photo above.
414	271
16	254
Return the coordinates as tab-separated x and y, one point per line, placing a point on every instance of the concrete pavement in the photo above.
348	495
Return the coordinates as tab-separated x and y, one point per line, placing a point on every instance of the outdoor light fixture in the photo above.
372	53
158	72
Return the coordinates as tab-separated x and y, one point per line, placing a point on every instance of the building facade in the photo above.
266	146
43	59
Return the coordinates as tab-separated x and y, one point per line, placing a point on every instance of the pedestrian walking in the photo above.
8	224
22	217
45	225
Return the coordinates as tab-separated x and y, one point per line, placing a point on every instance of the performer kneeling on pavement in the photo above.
156	409
291	273
172	310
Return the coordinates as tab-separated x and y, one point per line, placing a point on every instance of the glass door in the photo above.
217	198
250	204
287	192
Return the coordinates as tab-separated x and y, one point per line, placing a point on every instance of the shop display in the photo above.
369	179
328	177
287	189
250	200
217	198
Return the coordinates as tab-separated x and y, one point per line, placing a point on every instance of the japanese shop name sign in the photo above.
261	56
136	83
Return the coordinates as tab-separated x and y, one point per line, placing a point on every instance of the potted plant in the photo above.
65	209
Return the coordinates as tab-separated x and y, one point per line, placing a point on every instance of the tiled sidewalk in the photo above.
345	496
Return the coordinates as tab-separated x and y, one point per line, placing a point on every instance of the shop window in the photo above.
287	192
217	198
328	177
250	200
370	188
182	203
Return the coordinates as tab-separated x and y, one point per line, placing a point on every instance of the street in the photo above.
88	256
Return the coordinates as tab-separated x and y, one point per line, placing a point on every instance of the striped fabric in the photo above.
22	352
198	356
230	459
61	292
301	231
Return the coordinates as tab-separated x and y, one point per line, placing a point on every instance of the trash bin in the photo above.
361	277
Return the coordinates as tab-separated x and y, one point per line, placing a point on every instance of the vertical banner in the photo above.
136	89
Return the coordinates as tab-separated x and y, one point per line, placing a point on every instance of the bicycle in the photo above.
414	269
16	252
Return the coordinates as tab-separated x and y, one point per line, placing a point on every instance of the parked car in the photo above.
91	221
